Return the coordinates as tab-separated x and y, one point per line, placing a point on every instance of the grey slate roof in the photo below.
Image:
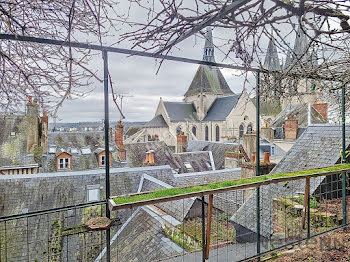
181	111
318	146
221	108
218	150
208	80
157	121
200	161
300	111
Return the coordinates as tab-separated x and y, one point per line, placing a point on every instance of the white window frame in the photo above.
103	160
93	193
64	163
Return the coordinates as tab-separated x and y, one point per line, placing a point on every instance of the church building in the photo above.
210	111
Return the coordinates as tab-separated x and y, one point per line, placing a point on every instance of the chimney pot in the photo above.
254	157
30	98
267	157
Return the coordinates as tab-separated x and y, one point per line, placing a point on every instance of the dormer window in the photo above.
64	161
103	160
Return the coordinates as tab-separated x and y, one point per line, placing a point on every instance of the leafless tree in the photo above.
50	73
54	74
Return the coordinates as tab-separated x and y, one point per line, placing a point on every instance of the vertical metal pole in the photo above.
257	97
343	158
203	230
108	214
308	215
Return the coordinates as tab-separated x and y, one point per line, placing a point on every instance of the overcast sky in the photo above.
136	76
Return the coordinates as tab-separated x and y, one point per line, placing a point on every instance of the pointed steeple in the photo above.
301	43
208	54
272	61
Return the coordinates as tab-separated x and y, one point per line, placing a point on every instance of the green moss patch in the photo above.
185	190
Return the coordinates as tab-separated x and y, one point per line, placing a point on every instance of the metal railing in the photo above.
219	224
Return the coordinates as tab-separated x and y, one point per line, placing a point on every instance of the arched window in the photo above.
249	129
241	130
217	133
206	133
194	131
149	138
178	130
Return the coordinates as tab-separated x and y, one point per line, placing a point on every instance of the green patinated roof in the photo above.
209	80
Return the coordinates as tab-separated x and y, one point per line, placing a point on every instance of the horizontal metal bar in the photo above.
220	190
119	51
49	211
294	243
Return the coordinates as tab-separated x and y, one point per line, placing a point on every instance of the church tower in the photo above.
208	82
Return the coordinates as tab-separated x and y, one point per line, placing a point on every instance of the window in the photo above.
93	193
217	133
178	130
272	150
206	133
194	131
149	138
13	133
241	131
249	129
103	160
86	151
64	163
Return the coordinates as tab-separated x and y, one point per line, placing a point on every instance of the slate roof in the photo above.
208	80
318	146
181	111
271	60
218	150
300	111
221	108
157	121
136	154
200	161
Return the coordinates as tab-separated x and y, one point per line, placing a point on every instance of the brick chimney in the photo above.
119	130
181	145
267	157
151	157
44	131
322	109
291	128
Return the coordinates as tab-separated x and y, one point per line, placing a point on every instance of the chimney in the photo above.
267	157
44	131
32	125
181	145
249	143
151	157
291	128
147	157
30	99
267	133
119	130
322	109
253	157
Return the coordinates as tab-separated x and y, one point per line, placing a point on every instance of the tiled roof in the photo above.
181	111
157	121
221	108
318	146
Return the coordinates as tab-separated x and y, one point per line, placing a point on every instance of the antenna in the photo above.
121	96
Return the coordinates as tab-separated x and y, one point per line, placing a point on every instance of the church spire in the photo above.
209	46
271	59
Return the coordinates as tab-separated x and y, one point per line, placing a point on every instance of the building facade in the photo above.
210	110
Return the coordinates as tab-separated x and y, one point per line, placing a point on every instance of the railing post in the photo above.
210	214
108	214
343	156
308	215
257	103
203	230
